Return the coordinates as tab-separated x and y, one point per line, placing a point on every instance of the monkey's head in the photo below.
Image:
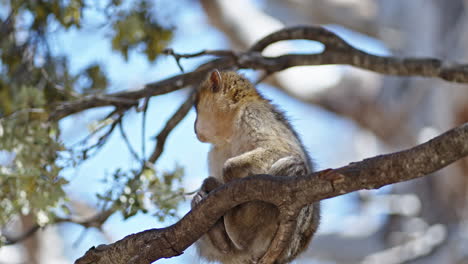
218	101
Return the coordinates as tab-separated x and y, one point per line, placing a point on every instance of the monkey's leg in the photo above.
251	226
217	234
306	222
219	238
254	221
289	166
243	224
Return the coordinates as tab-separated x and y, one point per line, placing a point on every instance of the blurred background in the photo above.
54	175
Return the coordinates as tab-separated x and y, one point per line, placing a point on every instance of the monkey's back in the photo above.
262	125
261	141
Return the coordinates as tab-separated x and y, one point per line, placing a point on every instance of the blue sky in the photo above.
316	127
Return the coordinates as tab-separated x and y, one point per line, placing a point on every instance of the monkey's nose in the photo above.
201	137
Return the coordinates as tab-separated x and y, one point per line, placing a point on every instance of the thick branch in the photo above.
337	51
129	97
296	192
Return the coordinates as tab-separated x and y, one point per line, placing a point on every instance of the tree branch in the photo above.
94	221
337	51
170	125
372	173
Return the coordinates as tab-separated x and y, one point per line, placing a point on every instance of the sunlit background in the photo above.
338	111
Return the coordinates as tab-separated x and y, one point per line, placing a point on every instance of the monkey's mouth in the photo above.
201	137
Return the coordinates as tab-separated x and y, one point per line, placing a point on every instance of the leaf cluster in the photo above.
30	181
28	30
136	191
34	79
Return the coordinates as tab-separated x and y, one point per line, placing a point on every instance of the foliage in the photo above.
137	28
34	79
29	179
26	58
135	191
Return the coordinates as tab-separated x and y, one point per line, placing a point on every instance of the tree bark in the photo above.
296	192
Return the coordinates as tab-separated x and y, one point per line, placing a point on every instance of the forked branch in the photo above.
337	51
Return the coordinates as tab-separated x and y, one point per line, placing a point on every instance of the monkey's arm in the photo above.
259	161
256	161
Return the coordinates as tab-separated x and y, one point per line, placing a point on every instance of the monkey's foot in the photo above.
210	183
198	197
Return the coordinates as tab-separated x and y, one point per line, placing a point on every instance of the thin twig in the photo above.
219	53
143	129
176	58
102	139
127	142
93	221
57	87
90	135
80	238
170	125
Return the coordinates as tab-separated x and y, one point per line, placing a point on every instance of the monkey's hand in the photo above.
217	234
249	163
233	170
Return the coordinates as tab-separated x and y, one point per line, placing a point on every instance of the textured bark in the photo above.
398	111
296	192
337	51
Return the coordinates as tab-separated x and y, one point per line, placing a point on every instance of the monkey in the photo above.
248	136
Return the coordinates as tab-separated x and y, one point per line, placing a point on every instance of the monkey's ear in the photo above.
216	81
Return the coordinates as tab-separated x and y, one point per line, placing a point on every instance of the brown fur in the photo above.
248	136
